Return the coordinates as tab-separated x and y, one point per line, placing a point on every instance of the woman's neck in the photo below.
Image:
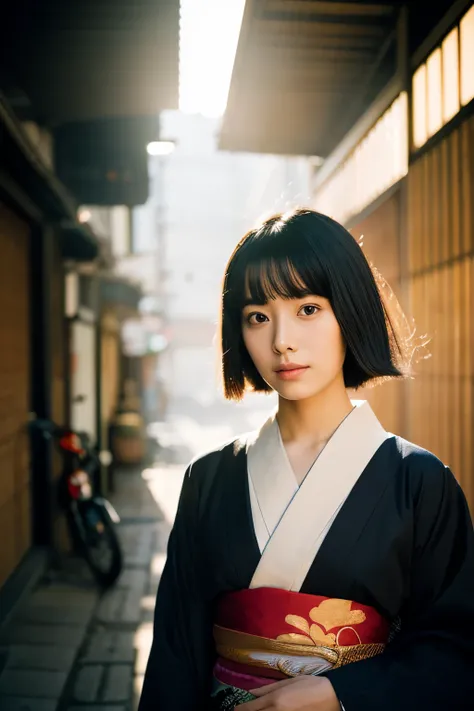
313	420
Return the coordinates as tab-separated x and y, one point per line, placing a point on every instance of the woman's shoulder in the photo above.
435	492
205	463
423	469
416	457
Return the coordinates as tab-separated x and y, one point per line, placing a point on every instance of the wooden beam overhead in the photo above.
330	8
313	57
317	29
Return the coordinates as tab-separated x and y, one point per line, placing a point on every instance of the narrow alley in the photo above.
68	648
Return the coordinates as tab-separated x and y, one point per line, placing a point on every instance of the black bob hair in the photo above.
294	255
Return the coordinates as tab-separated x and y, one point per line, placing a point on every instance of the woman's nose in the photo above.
283	341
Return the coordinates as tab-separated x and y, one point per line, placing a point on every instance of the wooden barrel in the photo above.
128	441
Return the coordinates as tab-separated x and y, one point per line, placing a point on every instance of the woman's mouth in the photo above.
291	371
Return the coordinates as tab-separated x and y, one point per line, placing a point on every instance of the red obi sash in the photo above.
266	634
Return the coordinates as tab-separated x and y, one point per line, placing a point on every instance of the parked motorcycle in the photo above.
91	518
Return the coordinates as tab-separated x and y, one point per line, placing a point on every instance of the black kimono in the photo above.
402	543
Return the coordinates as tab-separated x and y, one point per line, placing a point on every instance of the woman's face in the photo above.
295	344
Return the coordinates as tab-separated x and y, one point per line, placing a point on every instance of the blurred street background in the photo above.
139	141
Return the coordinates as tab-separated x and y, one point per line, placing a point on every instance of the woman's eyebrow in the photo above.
253	302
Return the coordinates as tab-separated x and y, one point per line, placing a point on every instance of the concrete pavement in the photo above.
69	648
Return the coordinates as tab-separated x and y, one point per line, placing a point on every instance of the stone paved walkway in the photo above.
69	648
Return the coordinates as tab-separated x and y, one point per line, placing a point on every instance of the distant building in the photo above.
206	200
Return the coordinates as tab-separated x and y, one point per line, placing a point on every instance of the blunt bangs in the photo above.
265	271
293	256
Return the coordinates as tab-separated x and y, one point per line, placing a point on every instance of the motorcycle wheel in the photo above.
99	542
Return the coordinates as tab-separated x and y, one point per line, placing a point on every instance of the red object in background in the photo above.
79	485
70	442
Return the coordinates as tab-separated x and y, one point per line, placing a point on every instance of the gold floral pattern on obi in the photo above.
328	615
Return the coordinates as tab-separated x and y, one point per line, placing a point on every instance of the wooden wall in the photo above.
15	495
441	285
381	245
435	286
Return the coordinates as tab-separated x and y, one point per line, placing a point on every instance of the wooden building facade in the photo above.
411	159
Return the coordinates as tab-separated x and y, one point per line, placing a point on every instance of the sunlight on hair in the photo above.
277	225
277	219
413	347
209	32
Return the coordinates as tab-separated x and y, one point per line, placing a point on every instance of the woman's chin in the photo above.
296	391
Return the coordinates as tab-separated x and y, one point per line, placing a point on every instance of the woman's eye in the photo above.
256	318
309	310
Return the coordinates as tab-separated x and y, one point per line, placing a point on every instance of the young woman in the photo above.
321	562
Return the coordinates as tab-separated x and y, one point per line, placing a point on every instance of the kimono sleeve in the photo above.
179	665
430	663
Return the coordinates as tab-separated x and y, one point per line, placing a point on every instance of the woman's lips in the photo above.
292	373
